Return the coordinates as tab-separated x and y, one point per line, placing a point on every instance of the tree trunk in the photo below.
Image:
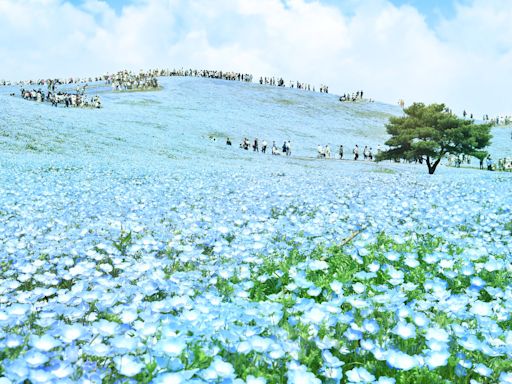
432	167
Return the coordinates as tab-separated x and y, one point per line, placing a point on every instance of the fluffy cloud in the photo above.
389	51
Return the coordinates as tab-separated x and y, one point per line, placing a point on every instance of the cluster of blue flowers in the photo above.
108	275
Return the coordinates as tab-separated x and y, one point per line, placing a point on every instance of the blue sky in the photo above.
433	10
457	52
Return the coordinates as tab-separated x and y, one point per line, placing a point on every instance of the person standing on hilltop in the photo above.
356	152
320	151
489	163
340	152
255	147
288	148
327	152
263	146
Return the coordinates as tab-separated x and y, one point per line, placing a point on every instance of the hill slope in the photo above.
176	122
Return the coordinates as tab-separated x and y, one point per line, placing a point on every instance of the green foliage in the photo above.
196	358
124	242
258	365
109	317
5	266
508	227
225	287
498	279
430	132
148	373
341	268
480	155
310	355
157	296
274	275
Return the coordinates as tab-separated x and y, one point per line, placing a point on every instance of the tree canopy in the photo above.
429	132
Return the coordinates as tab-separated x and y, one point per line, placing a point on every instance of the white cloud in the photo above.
388	51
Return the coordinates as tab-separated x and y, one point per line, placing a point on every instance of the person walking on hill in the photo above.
489	163
327	152
356	152
264	146
340	152
320	151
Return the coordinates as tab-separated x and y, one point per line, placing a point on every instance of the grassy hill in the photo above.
176	122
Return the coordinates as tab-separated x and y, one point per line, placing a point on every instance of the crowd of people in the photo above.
457	161
368	154
208	73
503	164
128	81
272	81
324	152
142	75
256	146
299	85
77	100
499	120
147	80
144	80
59	81
354	96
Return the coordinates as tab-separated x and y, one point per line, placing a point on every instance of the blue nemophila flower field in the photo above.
134	249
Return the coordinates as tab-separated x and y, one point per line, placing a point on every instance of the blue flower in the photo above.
505	378
35	358
128	365
405	330
400	360
435	359
482	370
359	375
371	326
